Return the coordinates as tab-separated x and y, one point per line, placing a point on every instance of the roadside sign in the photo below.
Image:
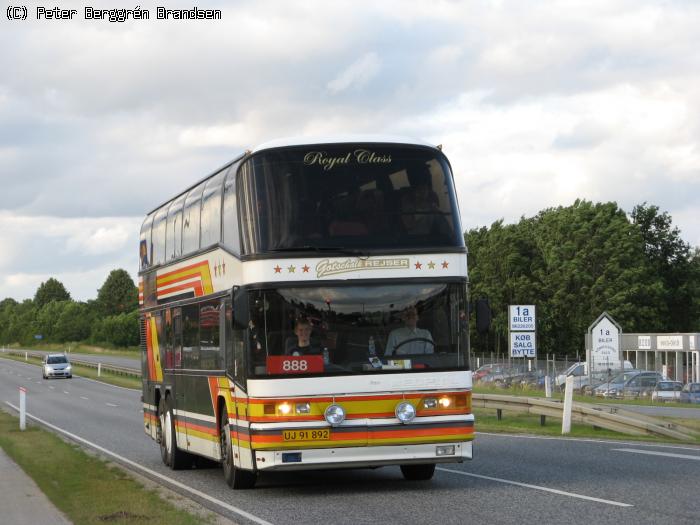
522	344
522	318
605	345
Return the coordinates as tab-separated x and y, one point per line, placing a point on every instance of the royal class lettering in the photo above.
359	156
328	267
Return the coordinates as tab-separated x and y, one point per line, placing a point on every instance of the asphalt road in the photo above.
513	479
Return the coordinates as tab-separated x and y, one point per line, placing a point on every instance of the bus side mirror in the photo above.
240	314
483	316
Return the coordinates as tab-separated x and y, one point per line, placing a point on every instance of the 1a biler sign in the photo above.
522	326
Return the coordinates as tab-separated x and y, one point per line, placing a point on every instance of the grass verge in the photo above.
85	488
81	348
518	423
85	371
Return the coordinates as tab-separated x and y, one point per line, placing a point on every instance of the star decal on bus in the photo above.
431	265
445	264
418	265
306	268
291	268
278	269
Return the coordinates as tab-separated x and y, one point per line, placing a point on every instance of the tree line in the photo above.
52	316
578	261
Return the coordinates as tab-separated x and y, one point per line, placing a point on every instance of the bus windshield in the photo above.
359	329
341	196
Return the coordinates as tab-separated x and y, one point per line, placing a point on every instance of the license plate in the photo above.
306	435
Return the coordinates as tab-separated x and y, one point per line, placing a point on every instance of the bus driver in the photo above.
417	340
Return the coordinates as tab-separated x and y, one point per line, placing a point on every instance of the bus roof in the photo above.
339	139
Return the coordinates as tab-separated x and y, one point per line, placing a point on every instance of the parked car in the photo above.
631	384
56	365
579	371
484	370
532	379
667	391
690	393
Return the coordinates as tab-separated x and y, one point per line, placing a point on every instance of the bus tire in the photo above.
235	478
418	472
172	456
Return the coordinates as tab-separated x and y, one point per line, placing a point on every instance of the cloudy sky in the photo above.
535	103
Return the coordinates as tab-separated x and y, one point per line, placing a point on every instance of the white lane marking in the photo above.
537	487
109	384
158	475
52	387
66	392
85	398
654	453
588	440
111	405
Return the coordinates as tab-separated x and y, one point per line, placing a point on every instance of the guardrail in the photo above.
611	418
113	369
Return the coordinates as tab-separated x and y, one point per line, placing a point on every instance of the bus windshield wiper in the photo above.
320	249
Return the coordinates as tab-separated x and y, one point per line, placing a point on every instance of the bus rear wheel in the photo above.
172	456
418	472
235	478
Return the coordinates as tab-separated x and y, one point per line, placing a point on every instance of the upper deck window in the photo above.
158	236
145	243
211	211
190	221
173	235
230	211
347	196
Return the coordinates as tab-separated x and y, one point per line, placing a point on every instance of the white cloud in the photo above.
357	74
78	252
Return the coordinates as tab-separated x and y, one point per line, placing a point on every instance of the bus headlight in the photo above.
405	412
284	408
335	415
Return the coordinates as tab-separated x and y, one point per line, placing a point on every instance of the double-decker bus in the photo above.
304	307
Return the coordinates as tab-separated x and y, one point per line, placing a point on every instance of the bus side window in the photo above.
177	338
190	336
168	342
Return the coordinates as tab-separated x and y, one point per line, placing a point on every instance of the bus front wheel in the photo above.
418	472
235	477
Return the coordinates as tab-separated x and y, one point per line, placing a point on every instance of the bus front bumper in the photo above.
361	457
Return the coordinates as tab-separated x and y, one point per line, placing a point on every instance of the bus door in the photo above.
234	366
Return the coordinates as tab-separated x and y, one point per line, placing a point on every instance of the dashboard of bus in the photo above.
351	329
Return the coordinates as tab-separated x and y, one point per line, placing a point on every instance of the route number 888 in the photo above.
295	366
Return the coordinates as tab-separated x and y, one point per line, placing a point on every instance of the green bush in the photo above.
119	330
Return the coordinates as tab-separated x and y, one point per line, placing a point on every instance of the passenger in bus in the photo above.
418	340
303	345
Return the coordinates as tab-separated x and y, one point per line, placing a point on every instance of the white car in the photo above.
56	365
667	391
